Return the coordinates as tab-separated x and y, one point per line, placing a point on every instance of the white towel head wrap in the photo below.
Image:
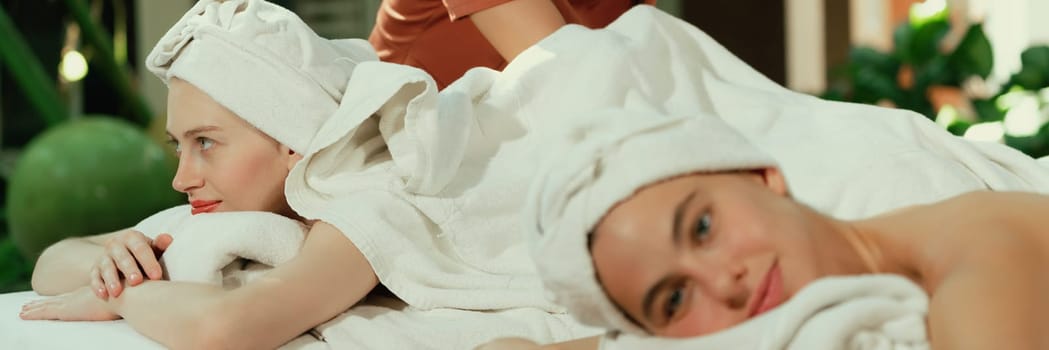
261	62
600	163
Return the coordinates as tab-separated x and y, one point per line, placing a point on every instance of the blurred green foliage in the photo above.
87	176
103	197
919	64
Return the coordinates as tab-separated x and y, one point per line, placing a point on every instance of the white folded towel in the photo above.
228	248
872	312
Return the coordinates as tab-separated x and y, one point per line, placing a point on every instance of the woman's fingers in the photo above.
126	263
162	242
143	253
110	277
38	310
97	286
78	305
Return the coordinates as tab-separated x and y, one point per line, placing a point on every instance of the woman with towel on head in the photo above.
250	84
705	237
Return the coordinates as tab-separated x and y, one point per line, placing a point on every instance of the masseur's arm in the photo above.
328	276
514	26
994	298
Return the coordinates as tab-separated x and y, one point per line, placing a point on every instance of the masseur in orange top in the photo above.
448	37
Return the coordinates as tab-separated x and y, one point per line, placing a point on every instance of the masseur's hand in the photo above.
128	256
78	305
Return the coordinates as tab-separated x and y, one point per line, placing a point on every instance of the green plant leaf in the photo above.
883	63
917	101
926	42
29	74
987	111
1036	57
872	86
1034	74
958	127
1035	146
935	72
974	55
901	39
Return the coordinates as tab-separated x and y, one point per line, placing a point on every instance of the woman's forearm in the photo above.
65	266
328	276
178	315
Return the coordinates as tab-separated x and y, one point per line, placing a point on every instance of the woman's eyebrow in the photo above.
679	216
192	132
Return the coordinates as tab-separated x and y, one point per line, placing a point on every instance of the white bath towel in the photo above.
435	210
872	312
226	248
846	159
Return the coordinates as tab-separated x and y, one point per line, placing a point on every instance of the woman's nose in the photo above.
187	177
722	279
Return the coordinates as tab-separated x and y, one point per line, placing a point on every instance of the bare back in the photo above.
983	258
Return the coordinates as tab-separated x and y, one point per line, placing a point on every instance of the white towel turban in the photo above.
600	163
263	63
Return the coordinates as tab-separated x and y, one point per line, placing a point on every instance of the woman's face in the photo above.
701	253
225	164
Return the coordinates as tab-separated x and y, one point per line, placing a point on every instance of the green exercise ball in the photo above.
92	175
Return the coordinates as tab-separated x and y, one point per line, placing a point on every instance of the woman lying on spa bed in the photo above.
694	245
239	134
233	156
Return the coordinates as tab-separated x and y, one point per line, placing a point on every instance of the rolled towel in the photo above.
226	248
872	312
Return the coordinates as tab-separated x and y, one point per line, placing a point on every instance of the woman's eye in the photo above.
174	145
673	303
703	227
205	143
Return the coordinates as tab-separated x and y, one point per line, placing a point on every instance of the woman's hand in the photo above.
127	256
78	305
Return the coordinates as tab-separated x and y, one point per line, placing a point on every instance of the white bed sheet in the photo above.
20	334
16	333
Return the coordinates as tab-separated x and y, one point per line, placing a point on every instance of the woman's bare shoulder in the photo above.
973	227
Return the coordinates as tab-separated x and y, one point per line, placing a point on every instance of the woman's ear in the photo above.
293	157
775	181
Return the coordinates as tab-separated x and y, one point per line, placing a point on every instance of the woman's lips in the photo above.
203	206
770	292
